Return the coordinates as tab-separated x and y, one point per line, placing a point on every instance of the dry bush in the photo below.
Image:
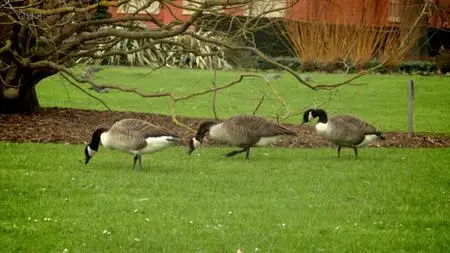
328	42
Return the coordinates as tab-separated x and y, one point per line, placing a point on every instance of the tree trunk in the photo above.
18	89
19	101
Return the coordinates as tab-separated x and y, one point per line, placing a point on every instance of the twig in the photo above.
214	95
65	10
173	114
65	88
196	94
150	72
85	92
330	98
259	105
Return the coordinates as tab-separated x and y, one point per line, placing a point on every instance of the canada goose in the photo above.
343	130
244	131
132	136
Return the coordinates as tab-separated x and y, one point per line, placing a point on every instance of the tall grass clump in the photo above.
376	35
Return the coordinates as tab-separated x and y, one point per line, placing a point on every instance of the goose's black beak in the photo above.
86	155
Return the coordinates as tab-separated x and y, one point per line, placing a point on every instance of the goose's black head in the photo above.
88	154
310	114
193	144
197	140
92	147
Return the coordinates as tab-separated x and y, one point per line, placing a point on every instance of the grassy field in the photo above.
296	200
281	200
381	99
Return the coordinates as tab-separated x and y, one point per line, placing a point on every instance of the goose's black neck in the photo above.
203	129
323	118
95	140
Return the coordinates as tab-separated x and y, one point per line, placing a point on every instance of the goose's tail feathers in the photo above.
173	138
380	136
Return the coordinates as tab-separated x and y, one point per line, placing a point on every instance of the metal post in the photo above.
411	107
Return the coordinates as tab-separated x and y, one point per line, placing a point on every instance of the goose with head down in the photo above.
132	136
244	131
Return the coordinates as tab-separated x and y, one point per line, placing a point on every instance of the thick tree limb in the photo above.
6	47
148	34
149	45
127	18
69	9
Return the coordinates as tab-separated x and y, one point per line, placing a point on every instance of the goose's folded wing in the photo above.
259	126
354	124
140	128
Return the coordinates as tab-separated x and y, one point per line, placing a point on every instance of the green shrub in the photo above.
291	62
261	64
309	66
443	61
411	67
241	59
333	66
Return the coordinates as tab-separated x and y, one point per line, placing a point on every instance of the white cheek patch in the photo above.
322	129
310	117
196	143
91	152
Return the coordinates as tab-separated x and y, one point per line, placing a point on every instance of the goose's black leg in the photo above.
247	153
134	162
140	161
235	152
356	152
339	150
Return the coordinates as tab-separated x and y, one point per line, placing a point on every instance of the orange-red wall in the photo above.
442	14
340	11
329	11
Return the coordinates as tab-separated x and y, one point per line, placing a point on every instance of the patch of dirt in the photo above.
75	126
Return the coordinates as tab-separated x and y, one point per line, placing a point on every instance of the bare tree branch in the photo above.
214	82
85	92
258	105
65	10
53	35
6	47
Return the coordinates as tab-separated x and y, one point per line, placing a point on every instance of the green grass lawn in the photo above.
381	99
281	200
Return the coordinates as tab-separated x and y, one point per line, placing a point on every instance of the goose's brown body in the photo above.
132	136
346	131
343	130
244	131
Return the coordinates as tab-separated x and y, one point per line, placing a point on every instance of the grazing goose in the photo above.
343	130
244	131
132	136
